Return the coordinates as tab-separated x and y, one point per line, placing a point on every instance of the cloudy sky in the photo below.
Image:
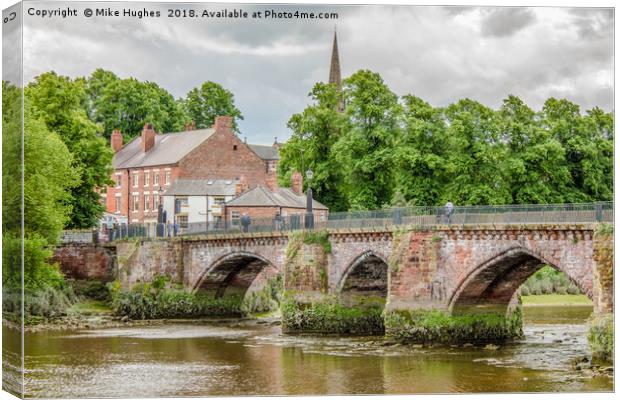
439	54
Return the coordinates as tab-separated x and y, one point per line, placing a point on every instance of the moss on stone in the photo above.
400	241
330	317
603	256
601	337
146	301
298	273
433	326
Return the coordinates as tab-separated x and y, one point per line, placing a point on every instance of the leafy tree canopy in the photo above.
202	104
57	101
389	151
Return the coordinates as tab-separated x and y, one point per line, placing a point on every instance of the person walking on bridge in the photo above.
449	210
245	222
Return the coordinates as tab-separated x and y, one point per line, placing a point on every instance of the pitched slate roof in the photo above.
169	148
202	187
265	152
282	197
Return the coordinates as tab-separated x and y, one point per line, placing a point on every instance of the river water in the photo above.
241	358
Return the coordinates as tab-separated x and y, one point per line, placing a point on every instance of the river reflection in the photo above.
201	359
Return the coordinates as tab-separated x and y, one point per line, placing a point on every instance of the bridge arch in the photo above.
232	274
491	285
366	275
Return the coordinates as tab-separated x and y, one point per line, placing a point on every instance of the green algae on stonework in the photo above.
329	317
297	239
433	326
150	301
601	337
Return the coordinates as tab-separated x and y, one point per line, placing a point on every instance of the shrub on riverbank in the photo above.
548	280
150	301
39	305
265	300
331	317
432	326
601	337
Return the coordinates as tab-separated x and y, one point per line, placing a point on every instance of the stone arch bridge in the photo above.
450	268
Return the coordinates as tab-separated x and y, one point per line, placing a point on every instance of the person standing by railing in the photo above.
245	222
449	209
176	227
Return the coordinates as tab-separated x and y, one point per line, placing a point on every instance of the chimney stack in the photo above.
193	126
116	140
186	127
297	183
272	181
148	137
241	186
223	124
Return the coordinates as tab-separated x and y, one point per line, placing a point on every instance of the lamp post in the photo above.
309	215
160	213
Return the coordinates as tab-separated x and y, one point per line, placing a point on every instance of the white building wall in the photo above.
197	209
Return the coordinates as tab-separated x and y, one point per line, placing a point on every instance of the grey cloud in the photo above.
501	22
593	22
435	53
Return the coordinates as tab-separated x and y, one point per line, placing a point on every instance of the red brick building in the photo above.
146	166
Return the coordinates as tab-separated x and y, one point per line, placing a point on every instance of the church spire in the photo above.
334	70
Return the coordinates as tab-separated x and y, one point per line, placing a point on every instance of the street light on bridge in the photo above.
309	215
161	223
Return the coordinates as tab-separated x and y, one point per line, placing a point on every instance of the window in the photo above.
117	179
234	217
135	204
167	178
155	178
102	199
117	204
147	178
136	179
234	147
178	203
182	221
155	202
147	201
219	200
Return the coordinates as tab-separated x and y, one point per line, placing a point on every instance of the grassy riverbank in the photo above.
556	300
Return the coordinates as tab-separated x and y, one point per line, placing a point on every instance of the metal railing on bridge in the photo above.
412	216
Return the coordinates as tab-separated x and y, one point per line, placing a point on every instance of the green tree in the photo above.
598	160
534	167
95	86
364	150
204	103
48	177
315	131
588	146
128	104
57	102
474	153
420	154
